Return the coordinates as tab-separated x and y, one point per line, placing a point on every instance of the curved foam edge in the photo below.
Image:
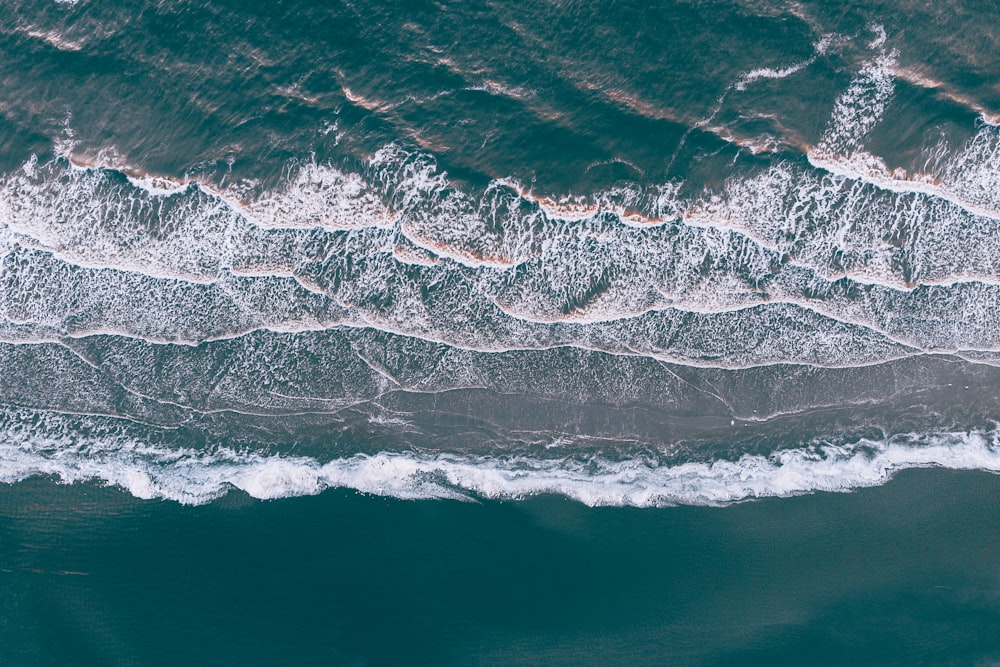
190	477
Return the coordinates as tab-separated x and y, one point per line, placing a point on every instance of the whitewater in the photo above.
379	294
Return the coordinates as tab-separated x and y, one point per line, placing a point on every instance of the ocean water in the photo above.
661	273
901	574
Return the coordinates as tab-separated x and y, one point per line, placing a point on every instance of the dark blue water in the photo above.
901	574
579	262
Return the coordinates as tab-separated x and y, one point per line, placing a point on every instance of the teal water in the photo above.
641	282
905	574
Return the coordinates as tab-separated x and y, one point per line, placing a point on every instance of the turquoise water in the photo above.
906	574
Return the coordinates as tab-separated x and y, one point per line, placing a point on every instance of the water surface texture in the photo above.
627	254
632	254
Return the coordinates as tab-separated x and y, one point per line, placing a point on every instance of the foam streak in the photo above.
191	477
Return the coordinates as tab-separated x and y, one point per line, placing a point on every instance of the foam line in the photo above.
193	477
846	265
771	73
871	169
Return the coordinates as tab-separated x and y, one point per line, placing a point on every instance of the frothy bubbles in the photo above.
171	297
193	477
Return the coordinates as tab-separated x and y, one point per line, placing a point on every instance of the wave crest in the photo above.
197	476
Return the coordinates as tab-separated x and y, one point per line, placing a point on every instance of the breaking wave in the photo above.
193	477
86	251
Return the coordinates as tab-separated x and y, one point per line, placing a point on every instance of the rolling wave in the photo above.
83	248
192	476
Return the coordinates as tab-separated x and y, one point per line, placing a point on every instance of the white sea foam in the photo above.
969	178
322	197
55	38
847	263
844	264
771	73
133	262
192	477
861	107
